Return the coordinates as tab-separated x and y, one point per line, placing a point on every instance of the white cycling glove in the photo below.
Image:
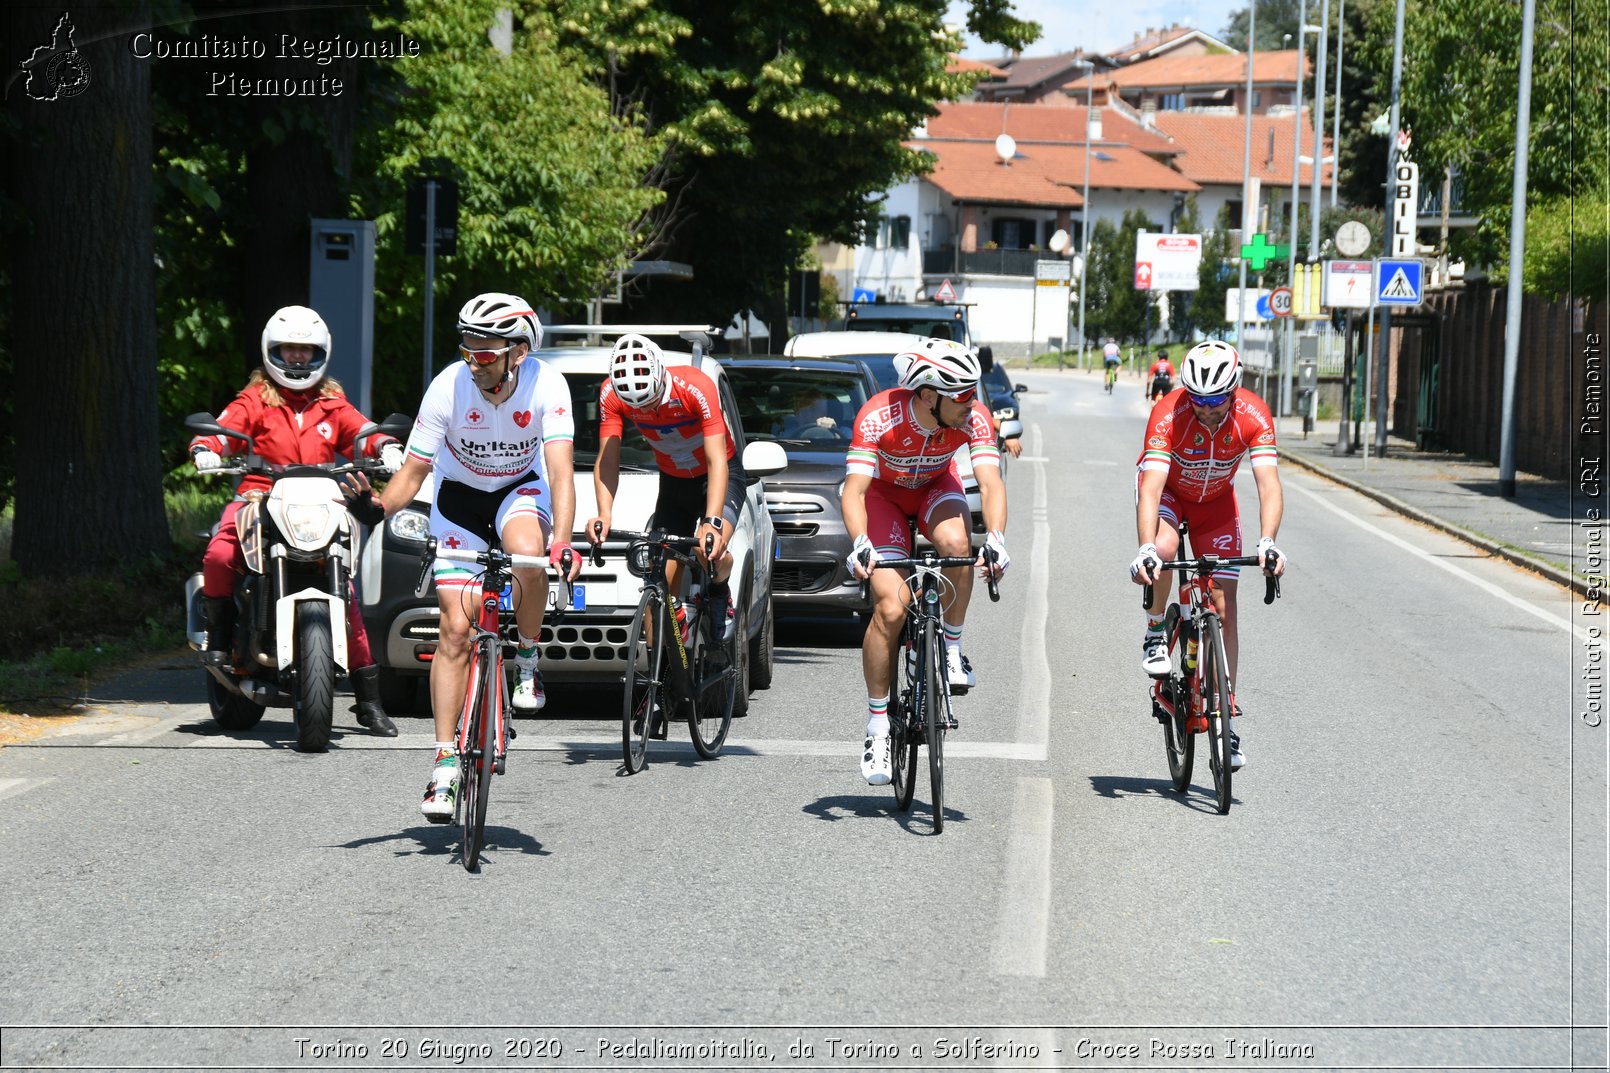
391	457
861	555
997	543
1267	545
1146	563
207	461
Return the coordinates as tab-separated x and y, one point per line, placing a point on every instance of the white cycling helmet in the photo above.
945	365
1211	368
637	371
295	324
501	316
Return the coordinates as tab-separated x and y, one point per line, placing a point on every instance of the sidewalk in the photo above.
1452	492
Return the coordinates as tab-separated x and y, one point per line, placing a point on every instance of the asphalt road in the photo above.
1405	878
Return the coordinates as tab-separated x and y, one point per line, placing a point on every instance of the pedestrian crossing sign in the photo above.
1399	283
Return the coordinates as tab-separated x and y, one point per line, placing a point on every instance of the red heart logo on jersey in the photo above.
522	418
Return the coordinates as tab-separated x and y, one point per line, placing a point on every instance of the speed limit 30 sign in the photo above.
1280	301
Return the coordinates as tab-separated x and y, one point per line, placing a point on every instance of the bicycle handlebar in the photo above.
432	552
932	561
1209	563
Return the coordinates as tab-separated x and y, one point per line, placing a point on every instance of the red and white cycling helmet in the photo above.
501	316
1210	369
637	371
295	324
945	365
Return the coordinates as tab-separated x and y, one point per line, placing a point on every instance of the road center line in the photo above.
1024	921
1458	572
1034	693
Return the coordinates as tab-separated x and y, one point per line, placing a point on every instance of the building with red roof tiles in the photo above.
1184	83
1176	40
1031	79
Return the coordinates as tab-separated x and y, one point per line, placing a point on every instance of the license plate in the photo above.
578	599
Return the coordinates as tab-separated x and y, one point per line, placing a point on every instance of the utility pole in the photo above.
1381	386
1517	243
1249	212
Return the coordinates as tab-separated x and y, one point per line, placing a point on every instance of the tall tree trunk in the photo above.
89	473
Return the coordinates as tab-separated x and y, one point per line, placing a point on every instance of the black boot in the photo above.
366	685
220	612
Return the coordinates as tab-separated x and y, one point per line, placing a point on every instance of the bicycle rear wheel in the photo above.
937	716
902	742
715	690
645	667
1215	678
1178	741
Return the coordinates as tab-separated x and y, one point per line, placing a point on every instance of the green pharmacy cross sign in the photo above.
1258	253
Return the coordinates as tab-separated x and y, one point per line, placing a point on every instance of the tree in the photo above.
1121	310
1213	278
88	482
1276	18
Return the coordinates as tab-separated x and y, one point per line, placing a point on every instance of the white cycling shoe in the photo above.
875	763
959	671
528	694
1154	654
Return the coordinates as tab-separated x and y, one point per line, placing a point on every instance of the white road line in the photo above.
610	744
1024	923
1034	693
145	734
1098	462
1458	572
14	787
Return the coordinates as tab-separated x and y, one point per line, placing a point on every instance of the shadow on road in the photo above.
863	807
442	840
1197	798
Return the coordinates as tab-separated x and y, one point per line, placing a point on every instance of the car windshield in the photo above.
636	455
814	407
938	327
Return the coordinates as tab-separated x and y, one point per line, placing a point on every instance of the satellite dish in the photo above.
1005	148
1058	242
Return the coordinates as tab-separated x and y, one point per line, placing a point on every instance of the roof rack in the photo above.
912	302
622	329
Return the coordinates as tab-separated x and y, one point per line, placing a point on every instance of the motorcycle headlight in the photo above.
306	521
410	525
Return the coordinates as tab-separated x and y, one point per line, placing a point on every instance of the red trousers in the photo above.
224	562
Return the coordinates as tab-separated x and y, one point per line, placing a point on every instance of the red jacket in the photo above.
308	428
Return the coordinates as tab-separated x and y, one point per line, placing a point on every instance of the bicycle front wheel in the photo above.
1178	740
715	690
902	742
477	751
937	713
645	667
1216	704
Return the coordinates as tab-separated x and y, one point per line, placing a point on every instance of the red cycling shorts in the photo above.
890	510
1214	527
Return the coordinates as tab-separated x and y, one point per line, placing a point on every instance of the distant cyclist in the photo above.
498	429
900	469
1195	441
678	410
1161	377
1110	361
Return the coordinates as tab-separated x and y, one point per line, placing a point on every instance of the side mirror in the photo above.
1011	428
1018	389
764	459
207	426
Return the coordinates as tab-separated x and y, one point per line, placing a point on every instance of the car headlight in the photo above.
1006	413
410	525
637	560
306	521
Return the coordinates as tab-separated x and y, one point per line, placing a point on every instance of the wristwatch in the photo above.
716	523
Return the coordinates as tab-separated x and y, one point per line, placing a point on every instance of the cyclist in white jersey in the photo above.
499	431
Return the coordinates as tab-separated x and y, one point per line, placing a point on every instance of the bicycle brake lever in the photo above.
425	559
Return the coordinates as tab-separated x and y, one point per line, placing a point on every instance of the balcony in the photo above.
982	262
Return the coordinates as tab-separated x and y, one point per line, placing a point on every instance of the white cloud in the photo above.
1096	27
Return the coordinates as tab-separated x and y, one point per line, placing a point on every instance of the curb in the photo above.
1553	573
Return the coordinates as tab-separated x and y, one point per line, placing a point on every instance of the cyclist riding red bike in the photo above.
1160	378
1195	440
899	470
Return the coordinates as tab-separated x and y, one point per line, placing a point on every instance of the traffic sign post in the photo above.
1399	283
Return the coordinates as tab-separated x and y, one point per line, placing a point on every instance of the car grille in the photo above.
569	643
801	577
795	529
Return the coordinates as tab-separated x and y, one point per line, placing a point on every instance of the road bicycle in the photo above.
1197	696
920	713
678	663
484	726
1112	377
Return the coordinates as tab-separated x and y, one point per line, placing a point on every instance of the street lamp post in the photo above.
1319	127
1084	227
1336	122
1286	360
1248	210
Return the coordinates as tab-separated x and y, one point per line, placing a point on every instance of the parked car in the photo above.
808	405
591	643
877	350
1003	394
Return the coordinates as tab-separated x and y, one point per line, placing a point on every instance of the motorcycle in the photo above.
300	547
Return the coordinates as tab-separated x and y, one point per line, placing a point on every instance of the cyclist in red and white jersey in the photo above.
901	468
678	410
1160	379
499	431
1195	441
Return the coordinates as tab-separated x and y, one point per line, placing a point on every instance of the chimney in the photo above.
1095	124
1148	113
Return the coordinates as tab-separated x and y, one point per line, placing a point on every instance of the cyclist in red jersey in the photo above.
900	468
1195	441
678	410
1160	379
294	413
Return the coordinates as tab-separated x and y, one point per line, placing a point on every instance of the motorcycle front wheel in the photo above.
315	677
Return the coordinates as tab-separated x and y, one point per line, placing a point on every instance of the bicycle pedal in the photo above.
509	726
498	764
952	724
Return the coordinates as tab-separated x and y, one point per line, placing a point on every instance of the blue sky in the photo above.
1067	25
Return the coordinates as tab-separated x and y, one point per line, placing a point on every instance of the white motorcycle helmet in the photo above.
296	324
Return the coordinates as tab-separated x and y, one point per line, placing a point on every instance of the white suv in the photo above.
590	644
